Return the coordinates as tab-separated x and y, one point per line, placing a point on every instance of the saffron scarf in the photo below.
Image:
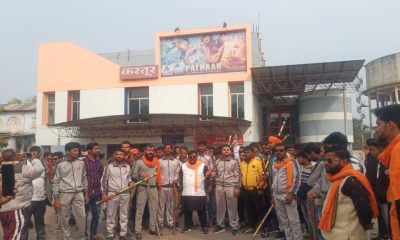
393	193
195	167
328	214
154	163
384	157
289	170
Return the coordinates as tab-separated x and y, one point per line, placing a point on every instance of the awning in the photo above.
292	80
150	125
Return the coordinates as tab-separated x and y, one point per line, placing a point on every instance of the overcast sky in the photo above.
293	32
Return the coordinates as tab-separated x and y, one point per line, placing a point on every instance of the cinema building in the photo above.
197	84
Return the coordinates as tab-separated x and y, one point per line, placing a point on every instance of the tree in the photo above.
361	133
15	100
3	142
30	99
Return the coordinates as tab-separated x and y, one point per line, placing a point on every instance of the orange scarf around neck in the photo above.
393	193
328	214
195	167
289	170
154	163
384	157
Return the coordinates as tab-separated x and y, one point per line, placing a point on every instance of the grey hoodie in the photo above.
227	173
70	177
116	177
24	175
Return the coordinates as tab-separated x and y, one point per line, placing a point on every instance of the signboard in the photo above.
218	52
172	139
139	72
218	140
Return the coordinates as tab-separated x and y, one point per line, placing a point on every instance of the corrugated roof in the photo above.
15	107
296	79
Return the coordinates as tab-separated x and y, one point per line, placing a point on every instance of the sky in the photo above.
292	31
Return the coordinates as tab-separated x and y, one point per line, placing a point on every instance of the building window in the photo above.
74	105
51	107
46	148
237	100
137	103
206	100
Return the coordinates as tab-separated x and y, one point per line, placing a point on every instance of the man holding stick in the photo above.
116	176
146	166
170	167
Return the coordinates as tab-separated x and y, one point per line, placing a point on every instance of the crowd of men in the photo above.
314	191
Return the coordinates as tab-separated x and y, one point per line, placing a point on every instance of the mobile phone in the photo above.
8	179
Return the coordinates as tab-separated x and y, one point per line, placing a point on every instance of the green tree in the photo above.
3	142
30	99
361	133
15	100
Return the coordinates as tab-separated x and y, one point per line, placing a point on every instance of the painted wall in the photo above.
174	99
382	71
252	112
15	122
221	99
102	102
320	115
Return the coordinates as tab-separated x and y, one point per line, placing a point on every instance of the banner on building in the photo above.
139	72
218	140
217	52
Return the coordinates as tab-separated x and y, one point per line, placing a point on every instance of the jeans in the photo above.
211	205
189	218
318	214
306	215
37	209
95	210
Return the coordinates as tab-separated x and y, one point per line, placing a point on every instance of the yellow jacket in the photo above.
252	174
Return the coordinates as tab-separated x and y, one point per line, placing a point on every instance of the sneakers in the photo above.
280	236
380	237
235	232
249	230
218	229
186	229
138	236
204	230
264	233
154	232
56	227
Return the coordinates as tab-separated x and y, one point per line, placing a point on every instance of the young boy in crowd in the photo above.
305	172
70	190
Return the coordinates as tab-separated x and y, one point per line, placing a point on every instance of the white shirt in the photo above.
39	191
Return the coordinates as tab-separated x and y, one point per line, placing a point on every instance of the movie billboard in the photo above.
218	52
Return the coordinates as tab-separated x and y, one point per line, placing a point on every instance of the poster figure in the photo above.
204	53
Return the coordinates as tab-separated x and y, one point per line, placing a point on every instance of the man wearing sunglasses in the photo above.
192	176
285	184
350	204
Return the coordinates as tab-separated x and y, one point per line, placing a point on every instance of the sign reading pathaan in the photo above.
139	72
217	52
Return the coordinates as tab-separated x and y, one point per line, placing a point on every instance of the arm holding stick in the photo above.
133	185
